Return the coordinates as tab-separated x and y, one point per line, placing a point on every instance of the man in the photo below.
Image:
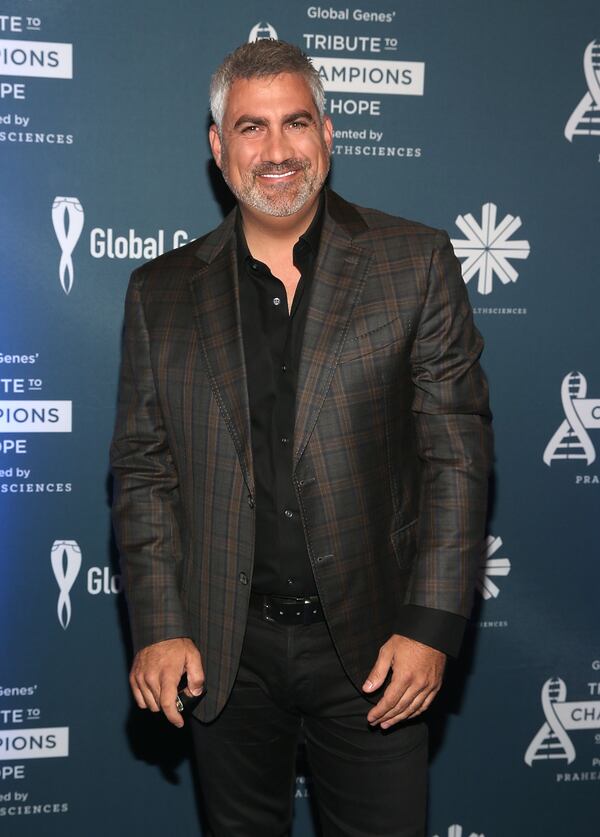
301	458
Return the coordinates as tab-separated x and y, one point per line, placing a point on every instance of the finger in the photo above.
379	672
148	696
417	707
195	674
137	695
168	698
410	695
142	690
390	698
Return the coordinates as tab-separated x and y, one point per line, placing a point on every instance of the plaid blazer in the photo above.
392	443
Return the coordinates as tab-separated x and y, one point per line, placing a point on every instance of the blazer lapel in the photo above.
216	307
340	275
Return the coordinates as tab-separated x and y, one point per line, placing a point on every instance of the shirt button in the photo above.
283	367
284	440
288	513
243	578
250	502
291	581
276	300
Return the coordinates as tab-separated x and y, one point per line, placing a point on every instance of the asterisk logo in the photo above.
487	248
491	567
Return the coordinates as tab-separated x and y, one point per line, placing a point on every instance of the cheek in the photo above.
244	160
321	162
319	153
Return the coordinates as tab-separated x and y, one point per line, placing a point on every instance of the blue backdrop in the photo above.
478	117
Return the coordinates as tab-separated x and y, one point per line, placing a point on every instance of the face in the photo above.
274	149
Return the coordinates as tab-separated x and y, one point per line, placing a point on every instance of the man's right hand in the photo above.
157	670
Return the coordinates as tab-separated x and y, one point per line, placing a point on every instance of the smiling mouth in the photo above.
280	176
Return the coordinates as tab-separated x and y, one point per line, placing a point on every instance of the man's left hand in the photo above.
417	672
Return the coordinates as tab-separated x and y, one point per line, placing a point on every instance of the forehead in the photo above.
269	96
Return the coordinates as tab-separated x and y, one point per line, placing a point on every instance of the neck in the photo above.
267	234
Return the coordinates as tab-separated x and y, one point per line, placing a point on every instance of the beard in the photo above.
279	199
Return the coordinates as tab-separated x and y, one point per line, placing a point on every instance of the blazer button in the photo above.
250	502
243	578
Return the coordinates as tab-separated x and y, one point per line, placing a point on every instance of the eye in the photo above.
298	124
250	129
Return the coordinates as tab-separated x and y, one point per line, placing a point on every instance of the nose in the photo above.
278	146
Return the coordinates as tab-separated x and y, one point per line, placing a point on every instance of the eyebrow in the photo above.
260	120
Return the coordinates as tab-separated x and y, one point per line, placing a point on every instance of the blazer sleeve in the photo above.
454	444
146	489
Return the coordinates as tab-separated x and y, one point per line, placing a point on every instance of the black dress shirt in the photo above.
272	337
272	343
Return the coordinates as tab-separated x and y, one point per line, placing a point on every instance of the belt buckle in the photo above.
293	612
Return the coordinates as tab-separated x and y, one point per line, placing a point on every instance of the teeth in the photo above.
285	174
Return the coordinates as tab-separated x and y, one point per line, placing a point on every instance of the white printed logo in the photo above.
487	248
491	566
67	218
363	75
37	743
551	740
66	563
39	59
36	416
571	441
585	119
457	831
262	32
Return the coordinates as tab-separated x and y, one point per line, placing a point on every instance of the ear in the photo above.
215	144
328	132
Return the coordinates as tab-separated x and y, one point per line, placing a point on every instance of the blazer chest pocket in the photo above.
404	543
372	334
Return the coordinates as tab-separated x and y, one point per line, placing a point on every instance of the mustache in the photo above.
291	164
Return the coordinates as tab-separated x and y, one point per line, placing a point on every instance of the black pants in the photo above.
368	782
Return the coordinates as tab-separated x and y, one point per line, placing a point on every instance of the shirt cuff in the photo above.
439	629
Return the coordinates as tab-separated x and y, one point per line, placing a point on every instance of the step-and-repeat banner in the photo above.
479	117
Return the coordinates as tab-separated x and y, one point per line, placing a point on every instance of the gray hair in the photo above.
260	59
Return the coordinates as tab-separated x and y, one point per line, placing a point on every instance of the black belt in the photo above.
287	611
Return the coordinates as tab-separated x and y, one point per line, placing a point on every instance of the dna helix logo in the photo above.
552	742
262	32
585	119
65	557
571	440
67	219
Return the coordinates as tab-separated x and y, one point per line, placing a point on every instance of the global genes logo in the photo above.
571	441
488	247
585	119
68	219
66	559
552	742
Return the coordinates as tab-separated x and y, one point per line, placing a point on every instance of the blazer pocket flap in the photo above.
359	342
